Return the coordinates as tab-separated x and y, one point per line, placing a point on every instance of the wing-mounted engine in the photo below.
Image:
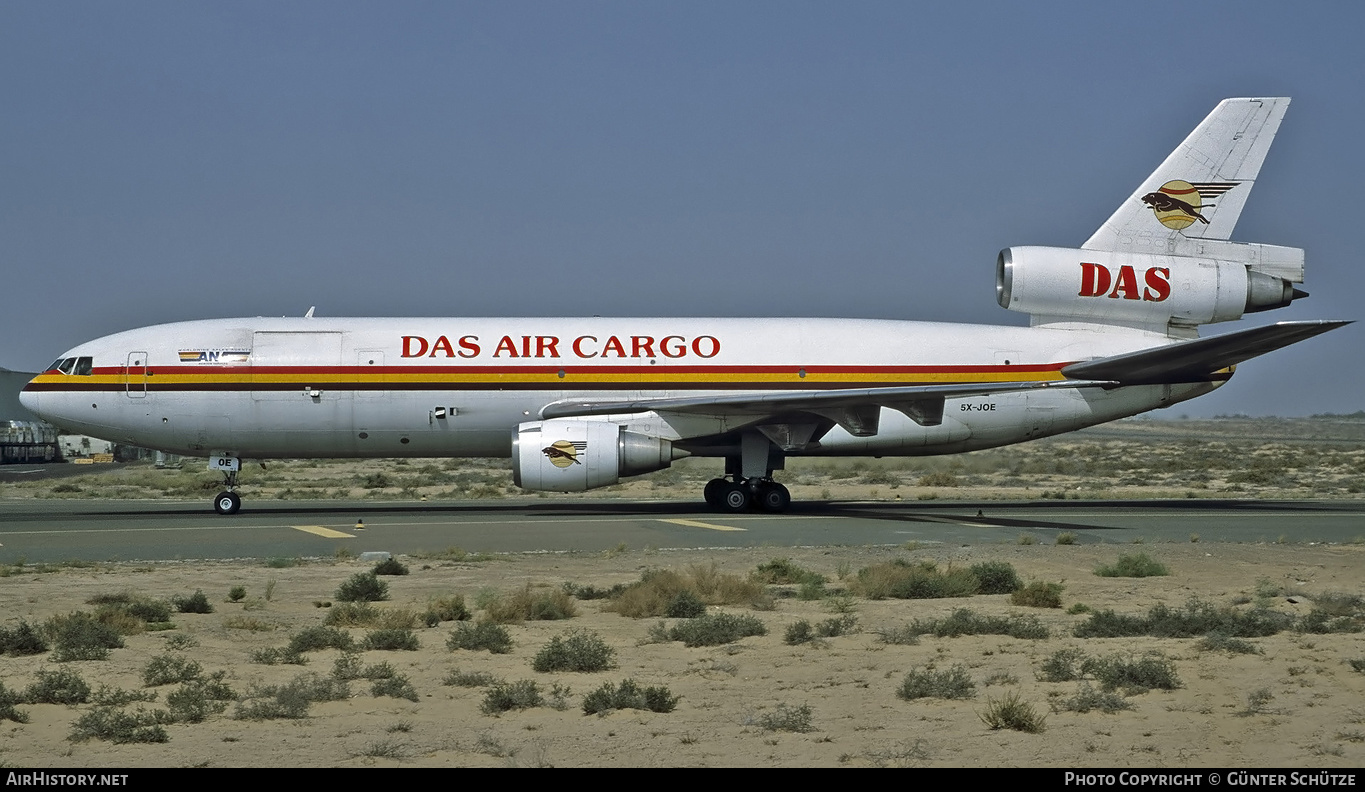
1165	292
564	455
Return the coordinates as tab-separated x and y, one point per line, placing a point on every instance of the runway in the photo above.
53	531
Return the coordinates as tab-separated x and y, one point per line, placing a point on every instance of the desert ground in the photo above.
1288	691
1322	457
1292	699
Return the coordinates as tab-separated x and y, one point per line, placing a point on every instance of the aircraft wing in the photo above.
1197	360
848	407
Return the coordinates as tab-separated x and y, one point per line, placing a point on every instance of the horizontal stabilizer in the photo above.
1198	359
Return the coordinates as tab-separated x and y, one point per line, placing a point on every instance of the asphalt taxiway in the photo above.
51	531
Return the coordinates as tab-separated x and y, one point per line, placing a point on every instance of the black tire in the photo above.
227	503
735	498
774	498
713	490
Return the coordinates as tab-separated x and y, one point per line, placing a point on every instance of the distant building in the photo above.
23	436
75	446
11	382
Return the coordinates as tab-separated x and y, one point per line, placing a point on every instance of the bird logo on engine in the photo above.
1178	204
563	453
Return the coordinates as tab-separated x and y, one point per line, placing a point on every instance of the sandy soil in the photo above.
1278	458
1315	719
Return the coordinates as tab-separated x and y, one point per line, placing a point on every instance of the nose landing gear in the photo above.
227	501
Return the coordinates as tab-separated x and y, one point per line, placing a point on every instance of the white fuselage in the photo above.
375	387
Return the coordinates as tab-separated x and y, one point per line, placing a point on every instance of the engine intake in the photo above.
566	455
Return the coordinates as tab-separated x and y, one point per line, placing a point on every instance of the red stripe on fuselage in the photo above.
577	369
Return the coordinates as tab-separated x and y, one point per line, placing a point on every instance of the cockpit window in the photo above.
79	366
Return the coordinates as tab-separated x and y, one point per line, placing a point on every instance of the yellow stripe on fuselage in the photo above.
551	379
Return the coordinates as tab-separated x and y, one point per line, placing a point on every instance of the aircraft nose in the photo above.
32	401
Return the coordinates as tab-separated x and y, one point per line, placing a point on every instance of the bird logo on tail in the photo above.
1178	204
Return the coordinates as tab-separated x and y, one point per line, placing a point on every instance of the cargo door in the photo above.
297	367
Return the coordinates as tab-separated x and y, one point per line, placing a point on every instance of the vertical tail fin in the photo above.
1199	191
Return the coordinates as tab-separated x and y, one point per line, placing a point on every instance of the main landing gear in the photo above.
748	481
737	496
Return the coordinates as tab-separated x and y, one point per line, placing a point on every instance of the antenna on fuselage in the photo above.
311	309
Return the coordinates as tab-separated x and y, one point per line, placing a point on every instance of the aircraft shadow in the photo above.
914	511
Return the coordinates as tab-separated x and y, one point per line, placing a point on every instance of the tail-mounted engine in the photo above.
1063	284
565	455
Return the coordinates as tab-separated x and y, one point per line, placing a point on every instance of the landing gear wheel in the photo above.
734	498
773	497
714	487
227	503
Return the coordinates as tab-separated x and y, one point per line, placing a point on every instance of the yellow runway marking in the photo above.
321	531
695	524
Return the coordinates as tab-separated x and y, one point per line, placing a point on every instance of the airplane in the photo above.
579	403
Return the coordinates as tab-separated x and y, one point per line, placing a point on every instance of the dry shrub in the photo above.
63	686
506	696
1011	713
717	588
901	579
996	577
658	588
954	683
651	596
782	570
576	650
392	639
1039	594
483	635
363	587
1088	699
447	608
788	718
529	604
1135	565
352	614
80	636
123	622
629	695
1133	675
127	612
715	629
965	621
22	640
398	619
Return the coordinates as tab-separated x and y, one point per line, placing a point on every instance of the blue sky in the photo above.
168	161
